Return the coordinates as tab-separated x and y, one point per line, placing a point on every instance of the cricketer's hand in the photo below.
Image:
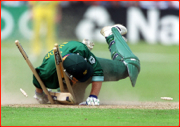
92	100
41	98
88	43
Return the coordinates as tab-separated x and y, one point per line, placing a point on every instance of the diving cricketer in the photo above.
84	68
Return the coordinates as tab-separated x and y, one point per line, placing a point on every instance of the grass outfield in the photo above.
159	77
87	117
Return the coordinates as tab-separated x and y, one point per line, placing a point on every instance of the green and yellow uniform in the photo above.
47	70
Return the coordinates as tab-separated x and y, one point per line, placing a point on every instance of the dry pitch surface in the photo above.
19	100
122	105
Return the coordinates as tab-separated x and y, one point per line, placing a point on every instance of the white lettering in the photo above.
169	30
137	22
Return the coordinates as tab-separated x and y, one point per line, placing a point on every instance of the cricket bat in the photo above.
62	97
33	70
59	66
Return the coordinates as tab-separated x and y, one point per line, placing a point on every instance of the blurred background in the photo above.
153	36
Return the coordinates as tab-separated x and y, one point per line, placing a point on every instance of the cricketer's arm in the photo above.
96	87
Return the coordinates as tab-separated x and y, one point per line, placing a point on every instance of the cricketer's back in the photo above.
47	70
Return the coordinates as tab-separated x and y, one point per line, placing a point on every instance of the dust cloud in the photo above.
15	97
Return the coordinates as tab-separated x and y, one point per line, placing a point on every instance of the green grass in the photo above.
87	117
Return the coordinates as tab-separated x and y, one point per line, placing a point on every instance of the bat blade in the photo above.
63	97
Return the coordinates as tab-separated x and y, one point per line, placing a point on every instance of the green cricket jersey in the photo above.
47	70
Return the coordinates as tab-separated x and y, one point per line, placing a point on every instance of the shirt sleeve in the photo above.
98	78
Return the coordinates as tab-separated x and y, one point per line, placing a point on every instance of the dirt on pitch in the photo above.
18	100
122	105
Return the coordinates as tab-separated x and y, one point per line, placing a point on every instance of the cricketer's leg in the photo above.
36	42
80	88
51	25
113	70
120	51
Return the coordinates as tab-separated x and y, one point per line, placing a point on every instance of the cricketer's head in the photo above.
78	67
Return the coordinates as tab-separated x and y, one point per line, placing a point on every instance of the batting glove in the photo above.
41	98
88	43
92	100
